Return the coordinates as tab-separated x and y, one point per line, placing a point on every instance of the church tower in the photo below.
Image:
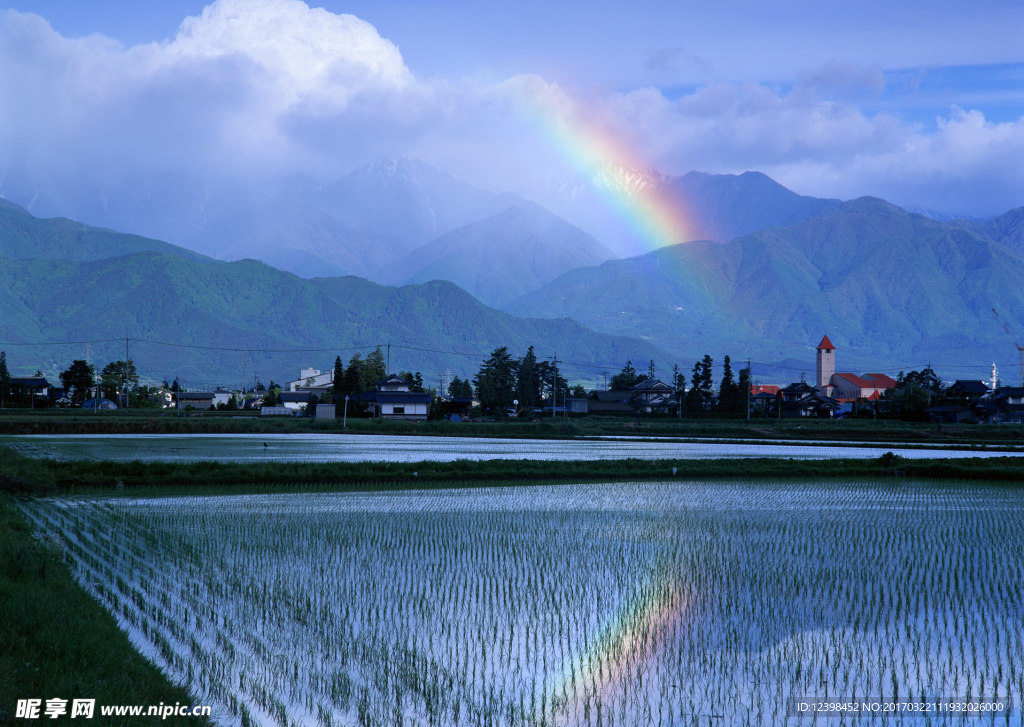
826	365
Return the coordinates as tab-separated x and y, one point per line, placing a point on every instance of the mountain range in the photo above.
208	321
718	207
893	289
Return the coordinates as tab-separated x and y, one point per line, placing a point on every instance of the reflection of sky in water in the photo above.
667	598
382	448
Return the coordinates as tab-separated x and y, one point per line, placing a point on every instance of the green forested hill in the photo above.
206	322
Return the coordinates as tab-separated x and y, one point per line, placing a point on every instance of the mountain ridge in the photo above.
885	284
205	320
503	256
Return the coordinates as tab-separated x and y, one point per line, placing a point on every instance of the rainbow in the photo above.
625	646
656	218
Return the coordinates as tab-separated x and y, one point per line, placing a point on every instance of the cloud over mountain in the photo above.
248	95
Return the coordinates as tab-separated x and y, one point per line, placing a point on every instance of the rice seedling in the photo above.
630	603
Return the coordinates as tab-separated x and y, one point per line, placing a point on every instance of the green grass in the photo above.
155	421
57	641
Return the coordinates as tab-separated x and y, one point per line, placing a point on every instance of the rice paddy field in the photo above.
721	603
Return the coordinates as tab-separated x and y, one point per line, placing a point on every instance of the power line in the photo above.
575	365
59	343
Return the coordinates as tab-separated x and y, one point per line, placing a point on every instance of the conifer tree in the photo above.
353	375
78	379
728	391
528	382
496	382
337	380
5	379
744	390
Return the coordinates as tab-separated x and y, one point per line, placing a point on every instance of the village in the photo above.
510	388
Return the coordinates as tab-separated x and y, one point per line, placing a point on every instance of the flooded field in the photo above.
390	448
609	604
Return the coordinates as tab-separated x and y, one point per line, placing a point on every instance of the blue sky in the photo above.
920	103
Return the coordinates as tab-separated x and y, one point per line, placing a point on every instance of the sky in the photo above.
921	103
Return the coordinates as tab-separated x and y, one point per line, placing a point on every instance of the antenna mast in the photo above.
1020	348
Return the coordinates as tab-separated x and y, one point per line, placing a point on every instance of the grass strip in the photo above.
28	475
850	430
56	641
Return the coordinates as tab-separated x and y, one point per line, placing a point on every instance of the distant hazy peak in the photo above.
402	167
620	177
868	204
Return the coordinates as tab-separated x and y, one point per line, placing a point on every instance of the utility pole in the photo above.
748	389
127	398
554	384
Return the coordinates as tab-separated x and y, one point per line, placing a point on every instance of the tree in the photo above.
914	393
338	380
728	391
701	395
678	381
548	374
460	389
496	382
116	377
271	397
925	379
528	383
373	370
5	378
353	376
744	390
77	380
627	378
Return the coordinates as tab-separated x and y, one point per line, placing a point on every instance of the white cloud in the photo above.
304	51
816	138
253	92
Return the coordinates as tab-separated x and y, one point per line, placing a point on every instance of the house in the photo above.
764	401
34	390
613	401
393	400
294	401
654	397
951	414
850	387
1009	403
98	404
1009	396
803	400
194	399
313	380
221	397
846	386
967	390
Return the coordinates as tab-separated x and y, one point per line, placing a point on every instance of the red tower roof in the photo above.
826	344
